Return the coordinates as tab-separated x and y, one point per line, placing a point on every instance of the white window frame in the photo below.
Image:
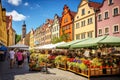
105	12
77	36
83	37
91	35
108	30
98	17
82	11
77	25
113	28
98	31
113	10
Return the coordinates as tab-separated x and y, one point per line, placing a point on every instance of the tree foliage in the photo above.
64	37
18	38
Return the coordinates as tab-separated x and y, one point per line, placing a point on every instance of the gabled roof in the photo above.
95	5
73	13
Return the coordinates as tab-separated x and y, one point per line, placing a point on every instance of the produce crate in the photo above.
92	71
78	70
118	70
100	71
97	71
108	71
114	70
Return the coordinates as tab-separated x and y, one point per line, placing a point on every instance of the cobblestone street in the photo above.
55	74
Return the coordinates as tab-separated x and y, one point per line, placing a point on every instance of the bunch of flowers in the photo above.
51	57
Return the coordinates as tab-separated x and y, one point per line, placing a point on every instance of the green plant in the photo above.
82	66
58	59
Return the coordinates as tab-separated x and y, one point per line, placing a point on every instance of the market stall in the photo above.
106	64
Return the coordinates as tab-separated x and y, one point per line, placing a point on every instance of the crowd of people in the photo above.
18	57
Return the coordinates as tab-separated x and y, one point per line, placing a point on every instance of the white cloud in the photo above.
15	2
26	4
16	16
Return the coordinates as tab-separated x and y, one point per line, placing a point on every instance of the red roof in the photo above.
73	13
95	5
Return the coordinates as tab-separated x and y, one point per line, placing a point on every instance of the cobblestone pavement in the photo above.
55	74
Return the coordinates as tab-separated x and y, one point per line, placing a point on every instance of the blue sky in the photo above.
35	12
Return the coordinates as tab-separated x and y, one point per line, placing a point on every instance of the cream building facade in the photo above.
85	20
56	27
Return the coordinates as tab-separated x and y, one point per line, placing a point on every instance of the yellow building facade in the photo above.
32	38
10	31
3	31
84	21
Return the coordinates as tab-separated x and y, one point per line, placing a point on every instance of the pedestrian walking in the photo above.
12	58
19	58
28	56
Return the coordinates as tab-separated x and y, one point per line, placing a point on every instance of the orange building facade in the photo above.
66	28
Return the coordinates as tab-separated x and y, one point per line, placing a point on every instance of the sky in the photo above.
35	12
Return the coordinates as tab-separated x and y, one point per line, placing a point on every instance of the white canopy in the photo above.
49	46
18	46
57	44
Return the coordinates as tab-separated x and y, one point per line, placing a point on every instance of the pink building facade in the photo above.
108	18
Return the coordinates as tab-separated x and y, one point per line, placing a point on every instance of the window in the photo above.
107	30
88	12
83	36
116	28
77	36
89	20
89	34
100	31
83	11
55	28
110	2
106	15
82	23
115	11
65	20
77	25
99	17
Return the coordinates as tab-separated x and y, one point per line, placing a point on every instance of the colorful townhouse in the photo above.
3	30
66	27
56	27
10	31
48	32
85	20
31	38
36	36
42	35
108	18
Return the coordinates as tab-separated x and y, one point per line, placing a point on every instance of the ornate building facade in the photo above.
56	26
85	20
108	18
66	27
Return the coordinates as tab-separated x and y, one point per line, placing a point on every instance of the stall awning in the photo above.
68	44
92	42
111	40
